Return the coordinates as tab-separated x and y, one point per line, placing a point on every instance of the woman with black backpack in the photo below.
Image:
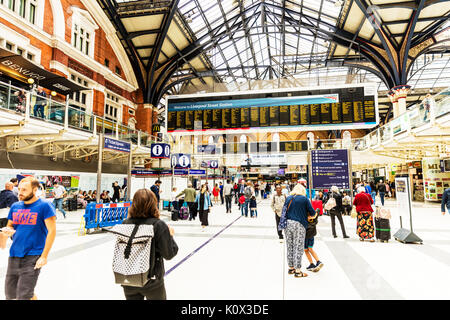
336	211
144	210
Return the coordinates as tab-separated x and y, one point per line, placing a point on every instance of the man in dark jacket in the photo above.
381	191
336	212
445	201
156	189
7	198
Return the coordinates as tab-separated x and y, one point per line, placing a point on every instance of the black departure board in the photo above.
299	107
189	120
314	114
294	115
264	116
245	117
293	146
336	113
217	118
207	119
181	119
274	116
369	110
229	148
304	114
236	118
171	120
284	115
254	117
325	114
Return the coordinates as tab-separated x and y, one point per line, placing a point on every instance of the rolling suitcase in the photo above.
174	215
382	229
183	213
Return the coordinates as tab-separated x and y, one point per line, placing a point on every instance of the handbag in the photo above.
331	203
354	214
283	219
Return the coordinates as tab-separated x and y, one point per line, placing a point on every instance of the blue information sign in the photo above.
330	168
207	148
116	145
180	161
145	172
160	151
213	164
196	172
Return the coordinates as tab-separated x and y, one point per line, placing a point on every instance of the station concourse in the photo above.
211	107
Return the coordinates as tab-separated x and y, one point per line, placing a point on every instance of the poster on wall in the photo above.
435	181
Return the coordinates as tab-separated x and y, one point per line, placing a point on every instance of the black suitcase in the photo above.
174	215
382	229
72	205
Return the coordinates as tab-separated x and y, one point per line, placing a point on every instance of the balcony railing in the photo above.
31	104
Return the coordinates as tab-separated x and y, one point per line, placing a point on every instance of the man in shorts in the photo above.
32	226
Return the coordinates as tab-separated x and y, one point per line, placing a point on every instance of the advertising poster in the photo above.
435	181
75	181
403	196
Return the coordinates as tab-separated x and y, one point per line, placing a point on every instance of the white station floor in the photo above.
247	261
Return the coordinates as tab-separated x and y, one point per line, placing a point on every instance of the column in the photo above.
400	93
394	102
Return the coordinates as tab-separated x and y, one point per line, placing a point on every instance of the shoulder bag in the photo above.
283	219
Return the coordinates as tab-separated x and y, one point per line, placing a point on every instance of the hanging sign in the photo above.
160	150
180	161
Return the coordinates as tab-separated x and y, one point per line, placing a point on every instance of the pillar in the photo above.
394	102
401	93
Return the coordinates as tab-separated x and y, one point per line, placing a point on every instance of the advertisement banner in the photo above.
258	160
435	181
403	198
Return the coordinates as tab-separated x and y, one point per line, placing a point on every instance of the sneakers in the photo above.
311	267
318	266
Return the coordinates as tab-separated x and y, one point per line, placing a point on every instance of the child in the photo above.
241	202
309	242
253	211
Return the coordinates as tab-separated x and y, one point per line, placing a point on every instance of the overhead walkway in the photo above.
61	130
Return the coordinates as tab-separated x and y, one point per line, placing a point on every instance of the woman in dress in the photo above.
216	191
363	203
204	203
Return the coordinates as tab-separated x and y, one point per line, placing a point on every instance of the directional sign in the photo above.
330	168
213	164
180	161
160	151
116	145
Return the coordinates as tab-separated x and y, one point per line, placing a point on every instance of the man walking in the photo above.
31	222
189	197
381	191
248	193
59	192
277	204
7	198
156	189
227	190
221	192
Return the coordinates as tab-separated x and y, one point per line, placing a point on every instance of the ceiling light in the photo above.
30	80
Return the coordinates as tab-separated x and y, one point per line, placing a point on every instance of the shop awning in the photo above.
19	68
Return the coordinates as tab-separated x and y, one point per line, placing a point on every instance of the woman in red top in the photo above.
363	203
216	193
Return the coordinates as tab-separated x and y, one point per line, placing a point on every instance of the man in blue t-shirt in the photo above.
32	225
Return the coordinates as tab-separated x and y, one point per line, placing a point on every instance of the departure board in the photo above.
217	118
336	113
334	108
226	118
235	118
325	115
284	116
254	117
274	116
264	116
263	147
304	114
294	115
315	114
189	120
207	119
229	148
245	117
293	146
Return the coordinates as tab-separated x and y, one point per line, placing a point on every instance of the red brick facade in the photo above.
102	50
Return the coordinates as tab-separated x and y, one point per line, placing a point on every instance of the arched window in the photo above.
211	140
347	135
310	137
243	138
276	137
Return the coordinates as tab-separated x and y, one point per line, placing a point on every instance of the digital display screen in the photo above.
335	106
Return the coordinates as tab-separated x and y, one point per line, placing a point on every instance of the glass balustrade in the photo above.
47	109
12	98
442	106
80	119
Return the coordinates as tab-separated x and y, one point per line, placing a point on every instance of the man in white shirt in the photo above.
277	204
227	191
59	192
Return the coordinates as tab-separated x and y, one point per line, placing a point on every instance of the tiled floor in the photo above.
246	261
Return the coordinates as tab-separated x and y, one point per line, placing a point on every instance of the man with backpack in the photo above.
248	192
